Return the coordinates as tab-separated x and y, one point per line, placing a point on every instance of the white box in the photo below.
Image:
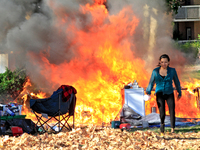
134	98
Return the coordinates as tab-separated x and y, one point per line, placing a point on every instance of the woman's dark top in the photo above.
162	76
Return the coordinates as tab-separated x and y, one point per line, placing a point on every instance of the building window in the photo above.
188	33
187	2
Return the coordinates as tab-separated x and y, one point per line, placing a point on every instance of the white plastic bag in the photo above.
147	97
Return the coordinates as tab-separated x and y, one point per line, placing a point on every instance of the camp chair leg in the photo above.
41	122
74	104
65	118
73	120
61	119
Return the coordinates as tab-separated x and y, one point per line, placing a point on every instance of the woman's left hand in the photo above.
179	97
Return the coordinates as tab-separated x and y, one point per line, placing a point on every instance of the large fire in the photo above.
103	65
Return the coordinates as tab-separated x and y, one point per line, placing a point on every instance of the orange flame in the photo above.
188	106
104	63
100	1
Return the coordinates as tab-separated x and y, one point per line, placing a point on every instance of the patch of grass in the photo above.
190	75
185	129
188	129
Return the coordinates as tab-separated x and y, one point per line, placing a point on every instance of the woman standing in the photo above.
163	76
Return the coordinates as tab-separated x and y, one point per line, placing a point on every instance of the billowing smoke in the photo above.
153	35
36	28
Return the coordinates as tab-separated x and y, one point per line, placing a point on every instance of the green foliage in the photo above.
183	129
190	47
173	5
11	83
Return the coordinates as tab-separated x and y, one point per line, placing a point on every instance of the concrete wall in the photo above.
3	62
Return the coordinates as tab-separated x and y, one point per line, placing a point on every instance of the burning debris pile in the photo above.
97	46
103	138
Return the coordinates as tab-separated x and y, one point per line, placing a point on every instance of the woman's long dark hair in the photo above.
163	56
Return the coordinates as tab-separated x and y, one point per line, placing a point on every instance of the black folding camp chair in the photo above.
54	108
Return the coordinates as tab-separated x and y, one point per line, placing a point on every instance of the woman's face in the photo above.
164	63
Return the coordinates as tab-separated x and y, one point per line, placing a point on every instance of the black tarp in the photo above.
128	115
27	125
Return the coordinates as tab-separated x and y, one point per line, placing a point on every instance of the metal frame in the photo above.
185	18
57	116
197	97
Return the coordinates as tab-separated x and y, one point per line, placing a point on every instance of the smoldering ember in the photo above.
73	75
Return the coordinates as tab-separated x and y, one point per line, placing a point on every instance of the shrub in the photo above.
11	84
190	48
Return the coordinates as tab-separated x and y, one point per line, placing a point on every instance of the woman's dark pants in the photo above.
160	98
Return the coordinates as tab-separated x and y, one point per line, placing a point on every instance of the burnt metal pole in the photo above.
197	97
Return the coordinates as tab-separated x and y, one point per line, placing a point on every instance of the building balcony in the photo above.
186	41
188	13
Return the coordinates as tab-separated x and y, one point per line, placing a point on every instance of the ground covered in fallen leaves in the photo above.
102	138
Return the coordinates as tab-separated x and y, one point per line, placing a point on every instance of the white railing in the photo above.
188	13
186	41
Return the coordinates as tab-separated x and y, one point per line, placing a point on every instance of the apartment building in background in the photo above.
187	21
